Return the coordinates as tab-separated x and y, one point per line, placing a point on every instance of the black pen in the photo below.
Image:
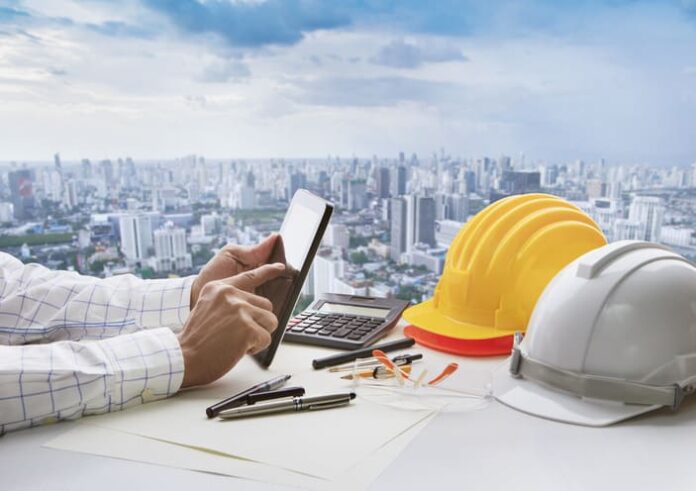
274	394
240	398
333	360
297	404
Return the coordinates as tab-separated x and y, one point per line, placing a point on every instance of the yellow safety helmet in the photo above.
495	270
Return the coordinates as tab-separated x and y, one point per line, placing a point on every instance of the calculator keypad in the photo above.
337	326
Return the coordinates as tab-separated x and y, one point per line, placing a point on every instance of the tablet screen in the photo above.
300	235
297	232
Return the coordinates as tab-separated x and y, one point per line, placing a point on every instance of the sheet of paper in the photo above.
116	444
322	444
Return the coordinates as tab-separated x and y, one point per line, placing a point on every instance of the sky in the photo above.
553	80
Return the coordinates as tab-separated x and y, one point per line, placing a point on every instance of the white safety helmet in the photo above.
612	336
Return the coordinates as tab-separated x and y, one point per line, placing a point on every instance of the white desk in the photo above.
492	448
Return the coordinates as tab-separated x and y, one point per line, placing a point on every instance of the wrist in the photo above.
187	357
195	290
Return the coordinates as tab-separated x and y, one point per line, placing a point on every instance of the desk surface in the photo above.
490	448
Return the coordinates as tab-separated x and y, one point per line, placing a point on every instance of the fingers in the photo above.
254	278
267	320
261	253
259	339
256	300
252	256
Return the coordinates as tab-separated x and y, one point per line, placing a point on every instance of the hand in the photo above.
230	261
228	321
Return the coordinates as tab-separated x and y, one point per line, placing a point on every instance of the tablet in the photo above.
300	235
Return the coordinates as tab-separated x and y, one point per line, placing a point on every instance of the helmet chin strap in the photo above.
596	387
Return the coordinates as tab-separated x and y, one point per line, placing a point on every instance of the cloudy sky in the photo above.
553	79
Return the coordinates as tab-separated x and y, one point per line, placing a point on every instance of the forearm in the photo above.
40	305
66	380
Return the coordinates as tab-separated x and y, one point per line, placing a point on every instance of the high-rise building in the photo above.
107	171
296	180
398	180
136	236
357	195
327	267
425	220
383	184
22	193
6	212
648	211
170	249
398	227
446	231
58	177
625	229
86	169
595	188
420	222
451	207
337	235
210	224
520	182
677	236
70	195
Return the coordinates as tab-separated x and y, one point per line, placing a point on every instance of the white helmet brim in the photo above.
537	400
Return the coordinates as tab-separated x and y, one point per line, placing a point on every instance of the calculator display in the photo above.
337	308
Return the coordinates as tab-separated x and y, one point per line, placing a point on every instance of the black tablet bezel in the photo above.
320	206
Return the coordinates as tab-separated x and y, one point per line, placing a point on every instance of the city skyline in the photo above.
394	221
152	78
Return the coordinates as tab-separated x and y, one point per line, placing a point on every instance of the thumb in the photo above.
253	278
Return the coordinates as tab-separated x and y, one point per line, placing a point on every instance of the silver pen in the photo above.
297	404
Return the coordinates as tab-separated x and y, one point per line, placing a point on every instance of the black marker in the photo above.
333	360
240	398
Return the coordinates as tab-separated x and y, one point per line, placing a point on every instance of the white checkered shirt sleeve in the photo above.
97	345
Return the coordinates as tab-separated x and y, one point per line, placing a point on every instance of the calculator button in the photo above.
311	330
355	337
297	329
341	333
324	332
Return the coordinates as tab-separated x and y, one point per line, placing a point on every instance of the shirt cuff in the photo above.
147	366
168	302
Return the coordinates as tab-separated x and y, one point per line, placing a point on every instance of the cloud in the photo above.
57	72
9	14
120	29
252	23
401	54
372	92
225	71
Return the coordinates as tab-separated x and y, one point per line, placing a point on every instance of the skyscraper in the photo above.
86	169
136	236
170	249
648	211
383	187
22	192
398	227
420	220
296	180
357	195
425	220
398	180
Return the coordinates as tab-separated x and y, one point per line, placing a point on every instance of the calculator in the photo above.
345	321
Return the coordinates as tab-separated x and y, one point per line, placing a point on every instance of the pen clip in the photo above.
327	405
